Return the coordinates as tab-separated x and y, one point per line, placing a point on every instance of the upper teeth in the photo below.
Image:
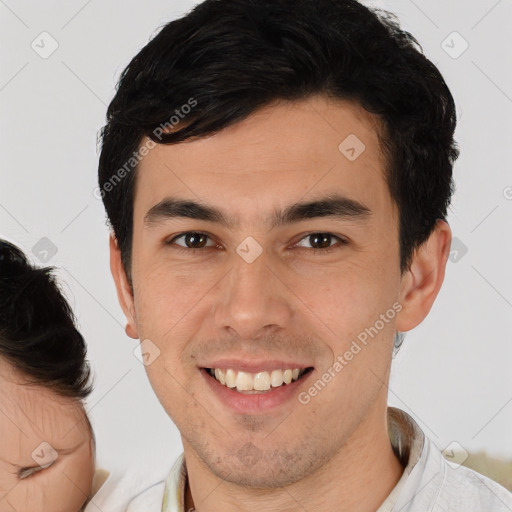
261	381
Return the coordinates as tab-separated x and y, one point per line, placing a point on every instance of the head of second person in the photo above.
277	176
47	446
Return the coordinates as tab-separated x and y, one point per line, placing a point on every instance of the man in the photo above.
277	176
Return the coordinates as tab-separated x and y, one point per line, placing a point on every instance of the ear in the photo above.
124	292
422	282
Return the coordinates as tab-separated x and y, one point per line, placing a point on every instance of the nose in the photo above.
252	299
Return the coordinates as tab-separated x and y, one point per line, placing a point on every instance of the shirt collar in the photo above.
175	486
406	438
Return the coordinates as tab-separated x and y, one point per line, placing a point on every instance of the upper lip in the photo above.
255	366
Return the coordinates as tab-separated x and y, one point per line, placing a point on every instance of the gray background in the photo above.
453	372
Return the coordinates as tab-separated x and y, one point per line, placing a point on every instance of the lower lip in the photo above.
254	402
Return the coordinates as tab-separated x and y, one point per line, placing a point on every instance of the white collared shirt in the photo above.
429	482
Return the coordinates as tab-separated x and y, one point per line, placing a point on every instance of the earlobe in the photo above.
124	292
422	282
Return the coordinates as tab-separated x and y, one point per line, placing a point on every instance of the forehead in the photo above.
282	152
30	415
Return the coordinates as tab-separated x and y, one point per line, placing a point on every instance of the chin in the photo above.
271	467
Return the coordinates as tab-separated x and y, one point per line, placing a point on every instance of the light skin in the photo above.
47	450
292	303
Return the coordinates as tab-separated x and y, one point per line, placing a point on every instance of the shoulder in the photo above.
465	489
455	487
435	484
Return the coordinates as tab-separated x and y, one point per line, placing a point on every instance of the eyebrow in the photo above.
333	205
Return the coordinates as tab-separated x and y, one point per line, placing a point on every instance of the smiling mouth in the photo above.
259	382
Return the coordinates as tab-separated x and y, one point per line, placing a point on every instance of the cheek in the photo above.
63	489
81	476
168	313
7	481
343	302
163	295
170	305
81	468
72	481
354	315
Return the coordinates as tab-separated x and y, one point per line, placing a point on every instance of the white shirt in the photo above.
135	490
429	482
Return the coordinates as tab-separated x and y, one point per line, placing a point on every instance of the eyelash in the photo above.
327	250
22	471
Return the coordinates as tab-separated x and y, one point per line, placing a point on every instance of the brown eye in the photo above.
321	242
193	240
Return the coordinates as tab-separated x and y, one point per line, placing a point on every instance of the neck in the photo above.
357	478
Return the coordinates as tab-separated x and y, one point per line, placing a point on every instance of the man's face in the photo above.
263	298
46	448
